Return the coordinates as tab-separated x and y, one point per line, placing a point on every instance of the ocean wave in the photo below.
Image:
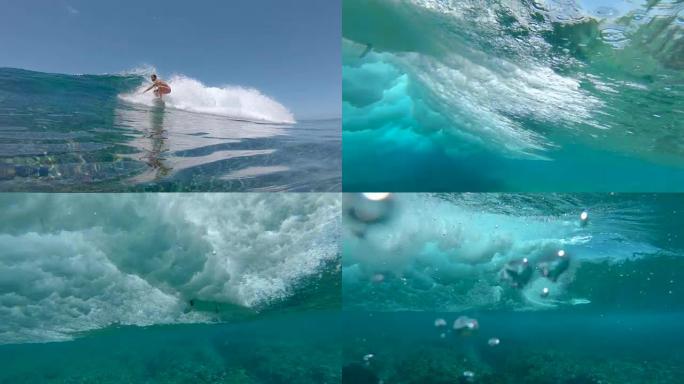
485	251
189	94
458	102
74	263
519	78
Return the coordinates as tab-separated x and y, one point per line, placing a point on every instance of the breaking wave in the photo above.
74	263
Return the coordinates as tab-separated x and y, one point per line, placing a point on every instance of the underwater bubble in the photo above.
605	12
464	323
440	323
493	342
469	376
378	278
584	218
524	260
614	36
638	16
376	196
371	207
561	253
545	292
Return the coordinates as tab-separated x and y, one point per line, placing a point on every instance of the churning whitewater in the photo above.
475	252
235	102
74	263
466	93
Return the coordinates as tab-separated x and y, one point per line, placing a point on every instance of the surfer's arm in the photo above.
150	87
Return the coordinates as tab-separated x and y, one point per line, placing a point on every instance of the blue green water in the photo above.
323	288
537	348
570	300
66	133
169	288
293	348
521	96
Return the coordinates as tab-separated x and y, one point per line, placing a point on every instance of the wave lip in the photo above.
236	102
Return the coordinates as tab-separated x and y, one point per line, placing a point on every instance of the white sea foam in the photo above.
141	70
235	102
458	93
73	263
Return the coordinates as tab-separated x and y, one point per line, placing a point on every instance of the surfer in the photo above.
162	88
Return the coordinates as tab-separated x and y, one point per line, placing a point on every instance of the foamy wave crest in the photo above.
235	102
140	259
143	70
455	100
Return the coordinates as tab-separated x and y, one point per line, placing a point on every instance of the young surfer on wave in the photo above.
162	88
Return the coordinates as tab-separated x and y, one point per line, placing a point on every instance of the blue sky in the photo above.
288	49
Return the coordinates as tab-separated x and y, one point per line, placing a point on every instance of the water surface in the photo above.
65	133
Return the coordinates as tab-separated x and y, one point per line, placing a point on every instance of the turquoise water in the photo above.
66	133
519	96
577	288
538	348
323	288
169	288
292	348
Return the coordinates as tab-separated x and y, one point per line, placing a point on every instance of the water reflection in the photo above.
170	141
157	136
